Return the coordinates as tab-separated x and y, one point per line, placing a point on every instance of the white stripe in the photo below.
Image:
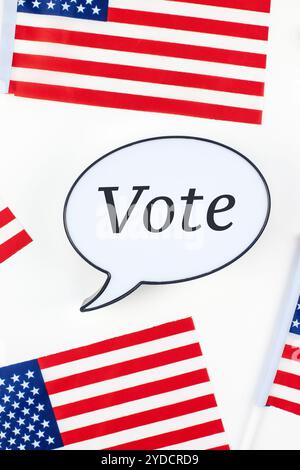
286	393
136	406
193	10
145	32
135	88
204	443
119	355
293	340
127	381
142	60
142	432
9	230
288	365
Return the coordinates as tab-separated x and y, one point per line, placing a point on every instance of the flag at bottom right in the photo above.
285	391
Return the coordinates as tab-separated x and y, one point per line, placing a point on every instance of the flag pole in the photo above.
286	313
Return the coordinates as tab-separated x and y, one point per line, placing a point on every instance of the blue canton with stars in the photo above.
84	9
27	421
295	327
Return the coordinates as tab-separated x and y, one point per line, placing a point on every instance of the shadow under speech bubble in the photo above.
104	291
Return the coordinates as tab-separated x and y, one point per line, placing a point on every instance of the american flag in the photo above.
12	236
285	392
200	58
143	390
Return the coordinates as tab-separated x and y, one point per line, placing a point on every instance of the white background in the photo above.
45	146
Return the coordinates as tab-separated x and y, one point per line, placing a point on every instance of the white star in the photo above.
40	407
10	388
2	435
15	405
20	395
21	3
30	401
36	444
2	381
30	374
36	4
11	415
30	427
21	421
51	5
298	307
12	441
25	411
21	447
296	323
24	384
15	378
80	9
5	398
73	1
16	431
45	424
40	434
26	438
65	6
50	440
88	2
6	425
35	418
2	409
96	10
35	391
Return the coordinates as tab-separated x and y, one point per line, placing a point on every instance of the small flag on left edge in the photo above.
285	391
144	390
12	236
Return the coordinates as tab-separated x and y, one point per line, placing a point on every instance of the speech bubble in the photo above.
164	210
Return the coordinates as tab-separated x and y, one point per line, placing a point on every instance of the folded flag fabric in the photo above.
285	392
200	58
145	390
12	236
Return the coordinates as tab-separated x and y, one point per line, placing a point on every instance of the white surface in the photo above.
45	146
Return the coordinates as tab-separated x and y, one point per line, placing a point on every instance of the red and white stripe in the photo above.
200	58
144	390
12	236
285	392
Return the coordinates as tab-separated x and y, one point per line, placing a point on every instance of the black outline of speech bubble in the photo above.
85	308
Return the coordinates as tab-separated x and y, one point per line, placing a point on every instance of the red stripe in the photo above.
284	405
6	216
141	46
220	448
188	23
123	368
263	6
139	419
174	437
13	245
141	74
291	352
287	379
120	342
135	102
130	394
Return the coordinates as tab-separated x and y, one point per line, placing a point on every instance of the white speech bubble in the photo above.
164	210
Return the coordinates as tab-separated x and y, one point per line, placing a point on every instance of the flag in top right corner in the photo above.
285	391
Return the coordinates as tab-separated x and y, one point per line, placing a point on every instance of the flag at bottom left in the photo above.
145	390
